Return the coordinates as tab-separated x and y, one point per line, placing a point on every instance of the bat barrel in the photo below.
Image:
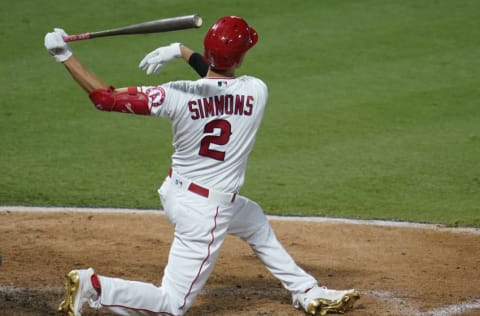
157	26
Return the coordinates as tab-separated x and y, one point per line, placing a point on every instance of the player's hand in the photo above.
154	61
56	46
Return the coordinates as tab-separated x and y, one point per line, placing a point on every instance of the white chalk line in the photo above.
404	307
454	309
319	219
397	304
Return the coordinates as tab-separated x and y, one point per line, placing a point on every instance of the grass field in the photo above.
373	111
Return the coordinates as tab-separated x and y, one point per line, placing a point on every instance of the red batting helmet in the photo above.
227	41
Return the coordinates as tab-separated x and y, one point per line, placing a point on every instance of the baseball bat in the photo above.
156	26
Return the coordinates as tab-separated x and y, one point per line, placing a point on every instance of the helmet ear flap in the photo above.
253	36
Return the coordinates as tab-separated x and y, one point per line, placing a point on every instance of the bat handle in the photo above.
77	37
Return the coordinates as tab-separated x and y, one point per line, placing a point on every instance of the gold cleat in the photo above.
72	283
320	306
78	291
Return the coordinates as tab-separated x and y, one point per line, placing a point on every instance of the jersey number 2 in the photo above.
219	139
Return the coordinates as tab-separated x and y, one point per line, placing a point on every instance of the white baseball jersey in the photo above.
214	125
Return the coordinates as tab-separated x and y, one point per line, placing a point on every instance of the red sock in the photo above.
96	284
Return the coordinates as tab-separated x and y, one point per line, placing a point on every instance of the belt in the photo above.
205	192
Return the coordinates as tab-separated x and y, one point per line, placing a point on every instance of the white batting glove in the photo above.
154	61
56	46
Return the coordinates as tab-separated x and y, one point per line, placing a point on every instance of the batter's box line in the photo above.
405	308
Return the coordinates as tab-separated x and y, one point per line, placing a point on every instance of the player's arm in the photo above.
104	97
195	60
153	62
83	76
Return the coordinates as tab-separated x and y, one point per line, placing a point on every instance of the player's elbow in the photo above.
102	99
130	101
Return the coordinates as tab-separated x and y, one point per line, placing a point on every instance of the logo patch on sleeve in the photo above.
156	96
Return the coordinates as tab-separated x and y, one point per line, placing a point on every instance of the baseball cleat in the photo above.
78	291
321	301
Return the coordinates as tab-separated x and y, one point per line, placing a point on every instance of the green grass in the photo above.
373	109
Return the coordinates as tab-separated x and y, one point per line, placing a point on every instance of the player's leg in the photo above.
251	224
199	236
191	260
200	229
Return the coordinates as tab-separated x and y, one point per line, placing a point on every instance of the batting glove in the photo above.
153	62
56	45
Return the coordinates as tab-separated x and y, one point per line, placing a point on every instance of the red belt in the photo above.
198	189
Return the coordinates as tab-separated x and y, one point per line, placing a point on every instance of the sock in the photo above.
96	284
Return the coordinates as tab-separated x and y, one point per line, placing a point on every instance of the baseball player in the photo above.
214	120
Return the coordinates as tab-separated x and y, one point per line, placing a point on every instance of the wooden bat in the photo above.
157	26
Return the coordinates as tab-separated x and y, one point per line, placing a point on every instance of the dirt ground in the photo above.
398	270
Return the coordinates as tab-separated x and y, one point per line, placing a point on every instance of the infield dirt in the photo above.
398	270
